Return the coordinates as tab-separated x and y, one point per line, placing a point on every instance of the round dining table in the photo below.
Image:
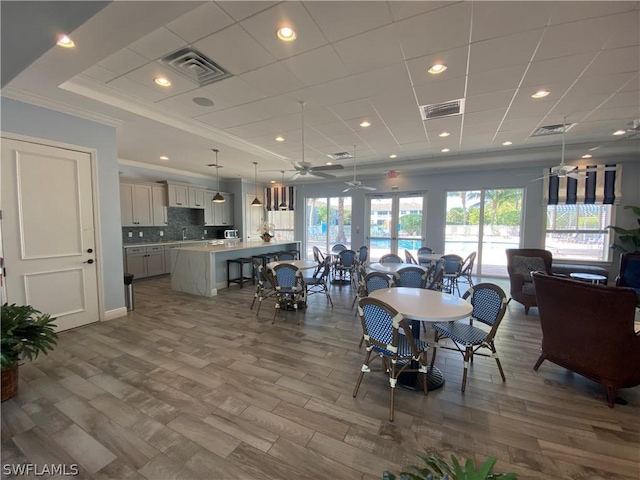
301	264
429	257
391	268
422	305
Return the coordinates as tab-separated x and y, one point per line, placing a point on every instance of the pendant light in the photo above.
256	202
283	205
217	198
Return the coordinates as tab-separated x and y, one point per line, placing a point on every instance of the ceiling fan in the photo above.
562	170
356	184
303	168
633	130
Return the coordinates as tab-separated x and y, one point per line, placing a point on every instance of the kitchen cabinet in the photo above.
159	205
196	197
218	214
178	196
136	205
145	261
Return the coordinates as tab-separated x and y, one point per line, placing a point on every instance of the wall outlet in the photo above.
161	233
205	232
130	234
141	234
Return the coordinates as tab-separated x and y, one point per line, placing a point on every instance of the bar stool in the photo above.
241	278
265	258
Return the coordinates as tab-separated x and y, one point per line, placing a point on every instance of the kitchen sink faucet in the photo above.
184	233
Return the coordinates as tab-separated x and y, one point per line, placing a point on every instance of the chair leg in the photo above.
276	311
467	355
259	305
392	384
436	337
493	349
326	292
541	359
611	396
526	309
425	382
254	300
365	366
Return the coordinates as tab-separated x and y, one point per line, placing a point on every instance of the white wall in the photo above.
25	119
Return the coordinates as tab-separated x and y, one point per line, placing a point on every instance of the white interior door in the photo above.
48	231
253	217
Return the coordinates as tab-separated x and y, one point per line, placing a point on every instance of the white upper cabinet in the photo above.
178	196
196	197
159	202
135	205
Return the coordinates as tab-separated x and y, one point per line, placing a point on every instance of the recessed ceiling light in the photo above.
279	139
329	163
444	134
541	94
65	41
437	68
444	150
286	34
365	124
162	81
588	155
203	101
507	143
273	181
393	155
619	132
164	157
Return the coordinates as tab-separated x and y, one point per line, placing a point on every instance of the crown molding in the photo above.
100	92
160	168
61	107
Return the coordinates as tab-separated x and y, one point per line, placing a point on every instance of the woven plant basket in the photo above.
9	382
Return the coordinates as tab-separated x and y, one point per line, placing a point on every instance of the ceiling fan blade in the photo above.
371	189
575	175
303	164
321	175
347	189
323	168
295	175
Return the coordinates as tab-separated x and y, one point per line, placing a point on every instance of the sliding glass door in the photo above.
328	221
395	224
485	221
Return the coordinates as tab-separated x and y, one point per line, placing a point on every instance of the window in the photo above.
328	221
578	232
284	222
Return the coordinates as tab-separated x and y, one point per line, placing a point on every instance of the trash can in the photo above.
128	291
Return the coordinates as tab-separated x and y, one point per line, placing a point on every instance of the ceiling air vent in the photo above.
340	155
446	109
551	130
195	66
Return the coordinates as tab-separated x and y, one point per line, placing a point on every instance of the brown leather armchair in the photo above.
588	329
520	263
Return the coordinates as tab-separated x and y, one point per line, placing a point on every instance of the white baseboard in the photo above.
115	313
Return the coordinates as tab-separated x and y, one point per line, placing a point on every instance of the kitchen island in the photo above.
202	269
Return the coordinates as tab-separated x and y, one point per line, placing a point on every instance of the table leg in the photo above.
412	380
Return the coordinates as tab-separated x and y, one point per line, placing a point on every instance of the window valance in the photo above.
276	195
601	185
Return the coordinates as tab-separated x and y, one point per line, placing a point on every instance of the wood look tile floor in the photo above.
195	388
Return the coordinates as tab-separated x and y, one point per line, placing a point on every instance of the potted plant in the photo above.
264	229
627	237
437	468
25	333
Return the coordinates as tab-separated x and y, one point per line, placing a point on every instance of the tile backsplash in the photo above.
177	219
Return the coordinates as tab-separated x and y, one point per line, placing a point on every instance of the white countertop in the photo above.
233	246
166	242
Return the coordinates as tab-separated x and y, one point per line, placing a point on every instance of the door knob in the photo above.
89	250
90	261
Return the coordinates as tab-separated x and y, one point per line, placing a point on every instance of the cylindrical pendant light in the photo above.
217	198
256	202
283	205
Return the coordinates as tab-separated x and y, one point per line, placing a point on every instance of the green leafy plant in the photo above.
437	468
631	237
26	332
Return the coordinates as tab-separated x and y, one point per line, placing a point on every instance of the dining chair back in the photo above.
345	264
452	270
318	282
338	247
467	269
425	251
363	254
264	288
361	292
391	258
376	281
412	277
286	255
381	326
409	258
435	274
489	306
288	285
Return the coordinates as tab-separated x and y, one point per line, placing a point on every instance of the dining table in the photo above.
422	305
390	267
429	257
